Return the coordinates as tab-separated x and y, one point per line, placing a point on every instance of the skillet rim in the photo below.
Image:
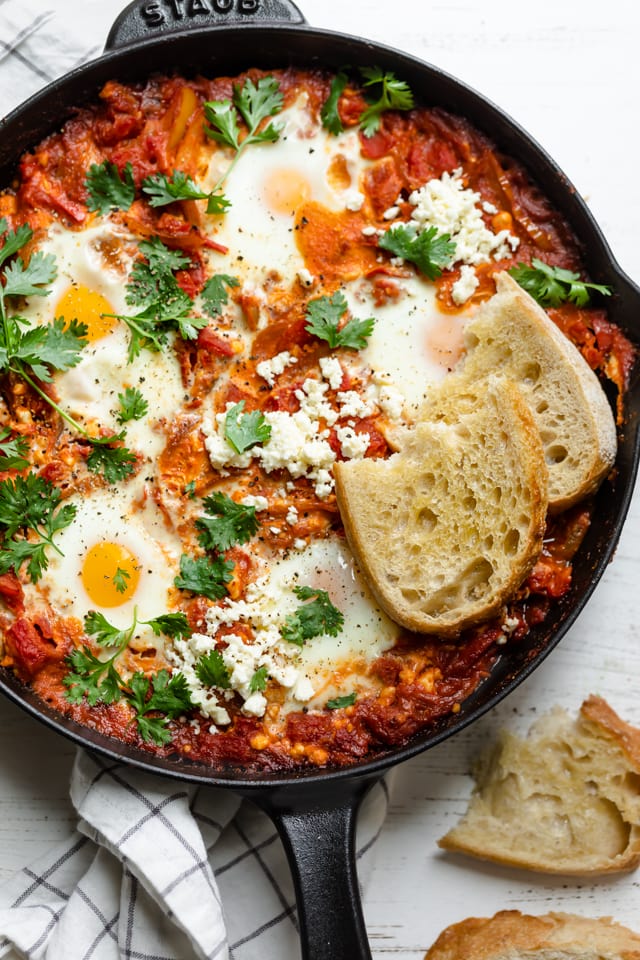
564	196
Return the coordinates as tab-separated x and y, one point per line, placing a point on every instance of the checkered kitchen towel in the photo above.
157	870
161	871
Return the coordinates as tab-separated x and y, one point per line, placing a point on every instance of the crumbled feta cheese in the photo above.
331	371
465	286
221	453
255	705
448	206
489	208
270	369
353	405
391	213
260	503
275	531
353	200
292	516
299	544
369	231
313	402
297	445
303	689
305	277
391	402
353	445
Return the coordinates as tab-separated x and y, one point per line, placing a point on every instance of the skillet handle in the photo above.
143	19
316	824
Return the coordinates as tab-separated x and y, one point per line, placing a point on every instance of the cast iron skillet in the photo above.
315	812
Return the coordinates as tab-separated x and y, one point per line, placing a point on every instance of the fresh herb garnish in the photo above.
108	189
163	189
226	523
98	681
30	505
205	575
387	93
214	295
13	452
165	305
551	286
339	702
258	681
325	314
190	489
115	463
120	578
254	103
33	352
242	430
429	251
312	619
133	405
169	695
329	113
212	670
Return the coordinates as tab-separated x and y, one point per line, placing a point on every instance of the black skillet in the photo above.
315	812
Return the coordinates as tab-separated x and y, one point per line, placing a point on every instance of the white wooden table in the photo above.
569	72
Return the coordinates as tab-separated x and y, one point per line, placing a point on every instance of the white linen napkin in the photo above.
157	870
160	870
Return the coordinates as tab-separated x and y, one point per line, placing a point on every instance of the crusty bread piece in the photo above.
448	528
564	800
512	335
511	935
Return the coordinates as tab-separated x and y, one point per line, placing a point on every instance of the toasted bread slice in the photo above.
564	800
511	935
512	335
448	528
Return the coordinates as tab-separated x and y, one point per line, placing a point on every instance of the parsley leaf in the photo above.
96	680
258	681
551	286
108	189
212	671
205	575
388	93
171	625
120	578
169	695
329	113
339	702
116	463
244	430
227	523
30	505
13	452
133	405
325	314
163	189
165	305
214	295
254	103
426	249
312	619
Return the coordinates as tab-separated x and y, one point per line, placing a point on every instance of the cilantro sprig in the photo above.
214	294
34	352
551	286
225	523
163	190
108	189
13	452
212	671
207	576
338	703
98	680
133	405
31	513
120	578
258	682
383	91
253	103
313	618
428	250
325	315
242	431
165	306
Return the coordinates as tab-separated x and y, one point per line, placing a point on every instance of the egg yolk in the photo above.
80	303
110	574
285	191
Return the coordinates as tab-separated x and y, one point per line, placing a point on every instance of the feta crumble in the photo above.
465	286
270	369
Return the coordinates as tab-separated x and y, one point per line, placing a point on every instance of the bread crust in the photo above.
511	334
382	503
564	800
510	935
